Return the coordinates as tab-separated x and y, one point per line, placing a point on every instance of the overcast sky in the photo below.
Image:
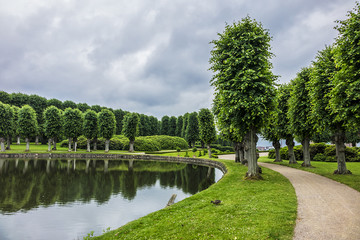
146	56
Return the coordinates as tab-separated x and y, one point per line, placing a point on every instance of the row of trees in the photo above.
321	103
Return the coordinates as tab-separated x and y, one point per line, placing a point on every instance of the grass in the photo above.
326	169
263	209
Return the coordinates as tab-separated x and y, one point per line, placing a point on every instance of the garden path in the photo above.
326	209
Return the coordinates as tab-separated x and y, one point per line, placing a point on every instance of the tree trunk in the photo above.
131	146
88	145
95	144
18	140
241	153
107	142
37	140
340	152
209	150
290	143
75	145
2	144
8	143
253	169
306	152
276	145
49	145
27	144
69	148
237	152
246	148
54	148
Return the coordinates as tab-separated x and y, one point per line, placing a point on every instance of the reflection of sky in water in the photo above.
67	222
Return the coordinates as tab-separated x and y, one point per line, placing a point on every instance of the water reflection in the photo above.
27	184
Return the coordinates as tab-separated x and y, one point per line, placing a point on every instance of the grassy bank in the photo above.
326	169
263	209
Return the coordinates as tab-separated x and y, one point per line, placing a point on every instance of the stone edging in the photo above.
198	161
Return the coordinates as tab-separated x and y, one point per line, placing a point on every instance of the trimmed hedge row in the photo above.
319	152
148	143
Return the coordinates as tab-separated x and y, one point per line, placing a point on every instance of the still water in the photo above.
67	199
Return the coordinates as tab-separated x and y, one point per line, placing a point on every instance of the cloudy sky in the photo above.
145	56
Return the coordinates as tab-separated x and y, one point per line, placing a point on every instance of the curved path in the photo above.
326	209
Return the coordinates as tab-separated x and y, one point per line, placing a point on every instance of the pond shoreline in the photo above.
198	161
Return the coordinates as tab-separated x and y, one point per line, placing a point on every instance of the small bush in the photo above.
330	150
194	150
320	157
271	154
316	148
284	153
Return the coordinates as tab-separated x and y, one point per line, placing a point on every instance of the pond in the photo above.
67	199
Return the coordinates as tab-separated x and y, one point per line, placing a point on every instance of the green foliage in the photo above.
194	150
69	104
107	123
283	95
346	91
3	120
300	106
146	144
28	125
90	125
243	81
179	125
165	125
168	142
206	126
184	126
53	122
192	129
320	157
172	126
131	126
72	123
55	102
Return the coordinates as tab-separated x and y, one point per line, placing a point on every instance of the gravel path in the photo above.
326	209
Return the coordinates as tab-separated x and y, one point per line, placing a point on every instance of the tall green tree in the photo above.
3	125
69	104
16	114
107	126
90	126
207	128
192	129
27	124
326	120
179	125
119	116
284	121
300	112
345	94
243	81
185	122
165	121
72	125
11	131
52	125
172	126
56	103
82	107
131	128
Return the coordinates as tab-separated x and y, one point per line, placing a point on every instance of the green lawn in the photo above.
263	209
326	169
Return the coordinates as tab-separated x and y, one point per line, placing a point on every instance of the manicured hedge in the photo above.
319	152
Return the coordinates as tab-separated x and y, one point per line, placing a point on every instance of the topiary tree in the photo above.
16	114
207	128
184	126
131	128
107	126
27	124
283	120
3	125
172	126
90	126
165	121
72	125
192	129
300	112
52	125
344	96
179	125
11	125
243	81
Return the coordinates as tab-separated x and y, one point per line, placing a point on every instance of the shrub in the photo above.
169	142
146	144
271	154
320	157
298	152
330	150
316	148
284	153
194	149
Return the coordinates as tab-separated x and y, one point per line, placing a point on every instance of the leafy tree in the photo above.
243	81
5	97
165	125
27	124
345	94
69	104
55	102
83	107
284	121
16	114
107	126
179	125
300	112
185	122
11	125
72	125
192	129
131	128
119	116
172	126
325	120
154	126
90	126
96	108
207	128
3	125
18	99
52	125
144	125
